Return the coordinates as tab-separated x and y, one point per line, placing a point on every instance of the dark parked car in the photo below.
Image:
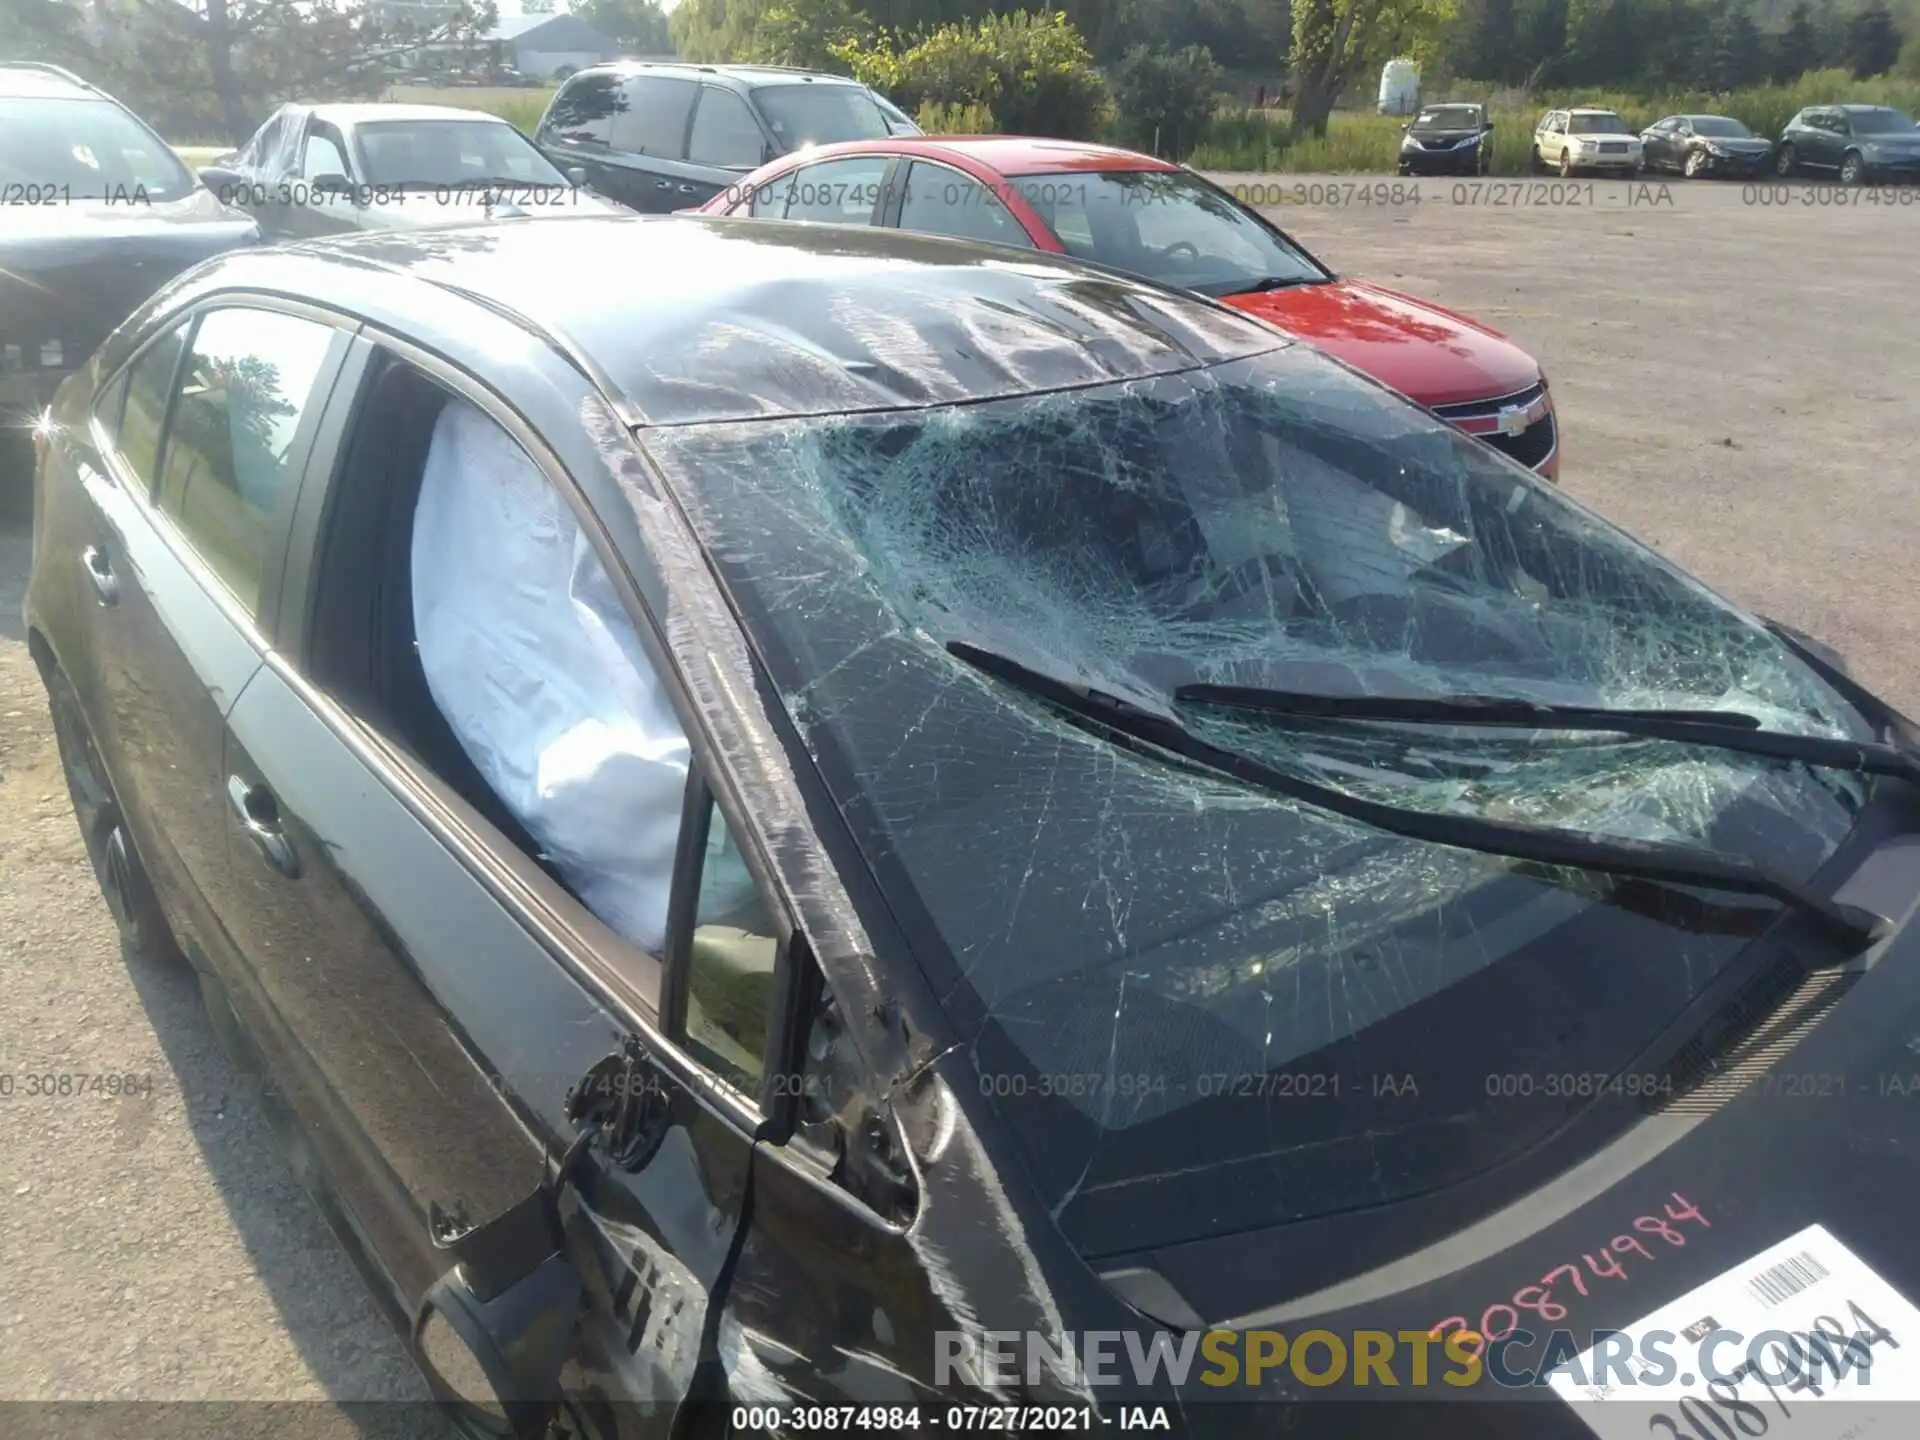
662	137
318	170
1861	144
1447	140
775	831
1699	146
96	213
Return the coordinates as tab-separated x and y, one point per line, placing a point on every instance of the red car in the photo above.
1146	216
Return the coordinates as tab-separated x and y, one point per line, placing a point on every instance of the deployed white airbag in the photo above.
535	666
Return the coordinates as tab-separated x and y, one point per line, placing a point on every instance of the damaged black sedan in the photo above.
903	837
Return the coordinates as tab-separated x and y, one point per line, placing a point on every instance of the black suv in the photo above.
662	137
98	214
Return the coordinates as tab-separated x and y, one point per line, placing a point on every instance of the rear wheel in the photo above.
123	879
1696	164
1566	164
1786	160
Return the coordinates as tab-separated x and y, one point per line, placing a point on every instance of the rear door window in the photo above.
834	192
251	378
149	384
654	119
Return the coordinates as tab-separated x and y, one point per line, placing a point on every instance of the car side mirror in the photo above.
216	178
330	184
577	176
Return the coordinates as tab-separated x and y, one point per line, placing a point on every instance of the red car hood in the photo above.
1430	354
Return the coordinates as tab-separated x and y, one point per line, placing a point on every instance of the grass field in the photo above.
1357	142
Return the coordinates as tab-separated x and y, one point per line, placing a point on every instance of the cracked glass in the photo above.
1202	1007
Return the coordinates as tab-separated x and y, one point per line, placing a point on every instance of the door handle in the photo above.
686	189
259	816
663	185
106	585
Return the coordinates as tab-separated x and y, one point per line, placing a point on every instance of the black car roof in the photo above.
688	319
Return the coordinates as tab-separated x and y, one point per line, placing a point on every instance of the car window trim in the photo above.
597	957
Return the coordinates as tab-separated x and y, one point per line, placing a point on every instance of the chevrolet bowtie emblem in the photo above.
1516	418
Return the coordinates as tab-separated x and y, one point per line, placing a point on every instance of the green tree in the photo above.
1872	44
1796	49
1033	73
638	26
1163	102
1335	42
1737	53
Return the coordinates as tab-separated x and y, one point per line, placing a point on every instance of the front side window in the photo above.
250	378
943	201
86	150
731	962
324	157
1097	908
1167	225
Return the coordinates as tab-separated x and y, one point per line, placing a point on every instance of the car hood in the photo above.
1751	145
426	210
1813	1120
190	221
1427	353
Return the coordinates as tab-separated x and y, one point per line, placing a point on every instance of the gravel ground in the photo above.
1738	383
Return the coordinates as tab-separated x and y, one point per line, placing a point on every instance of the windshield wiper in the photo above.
1654	861
1716	729
1270	282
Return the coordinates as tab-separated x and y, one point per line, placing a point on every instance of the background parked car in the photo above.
316	170
1860	144
1447	140
1149	217
98	214
662	137
1573	141
1703	145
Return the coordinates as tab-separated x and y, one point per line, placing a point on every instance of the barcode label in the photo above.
1779	1283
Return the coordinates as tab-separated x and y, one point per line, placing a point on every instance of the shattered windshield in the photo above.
1184	994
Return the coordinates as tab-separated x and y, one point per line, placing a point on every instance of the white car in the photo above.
1572	141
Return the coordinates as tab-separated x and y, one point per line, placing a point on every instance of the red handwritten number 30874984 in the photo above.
1502	1318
